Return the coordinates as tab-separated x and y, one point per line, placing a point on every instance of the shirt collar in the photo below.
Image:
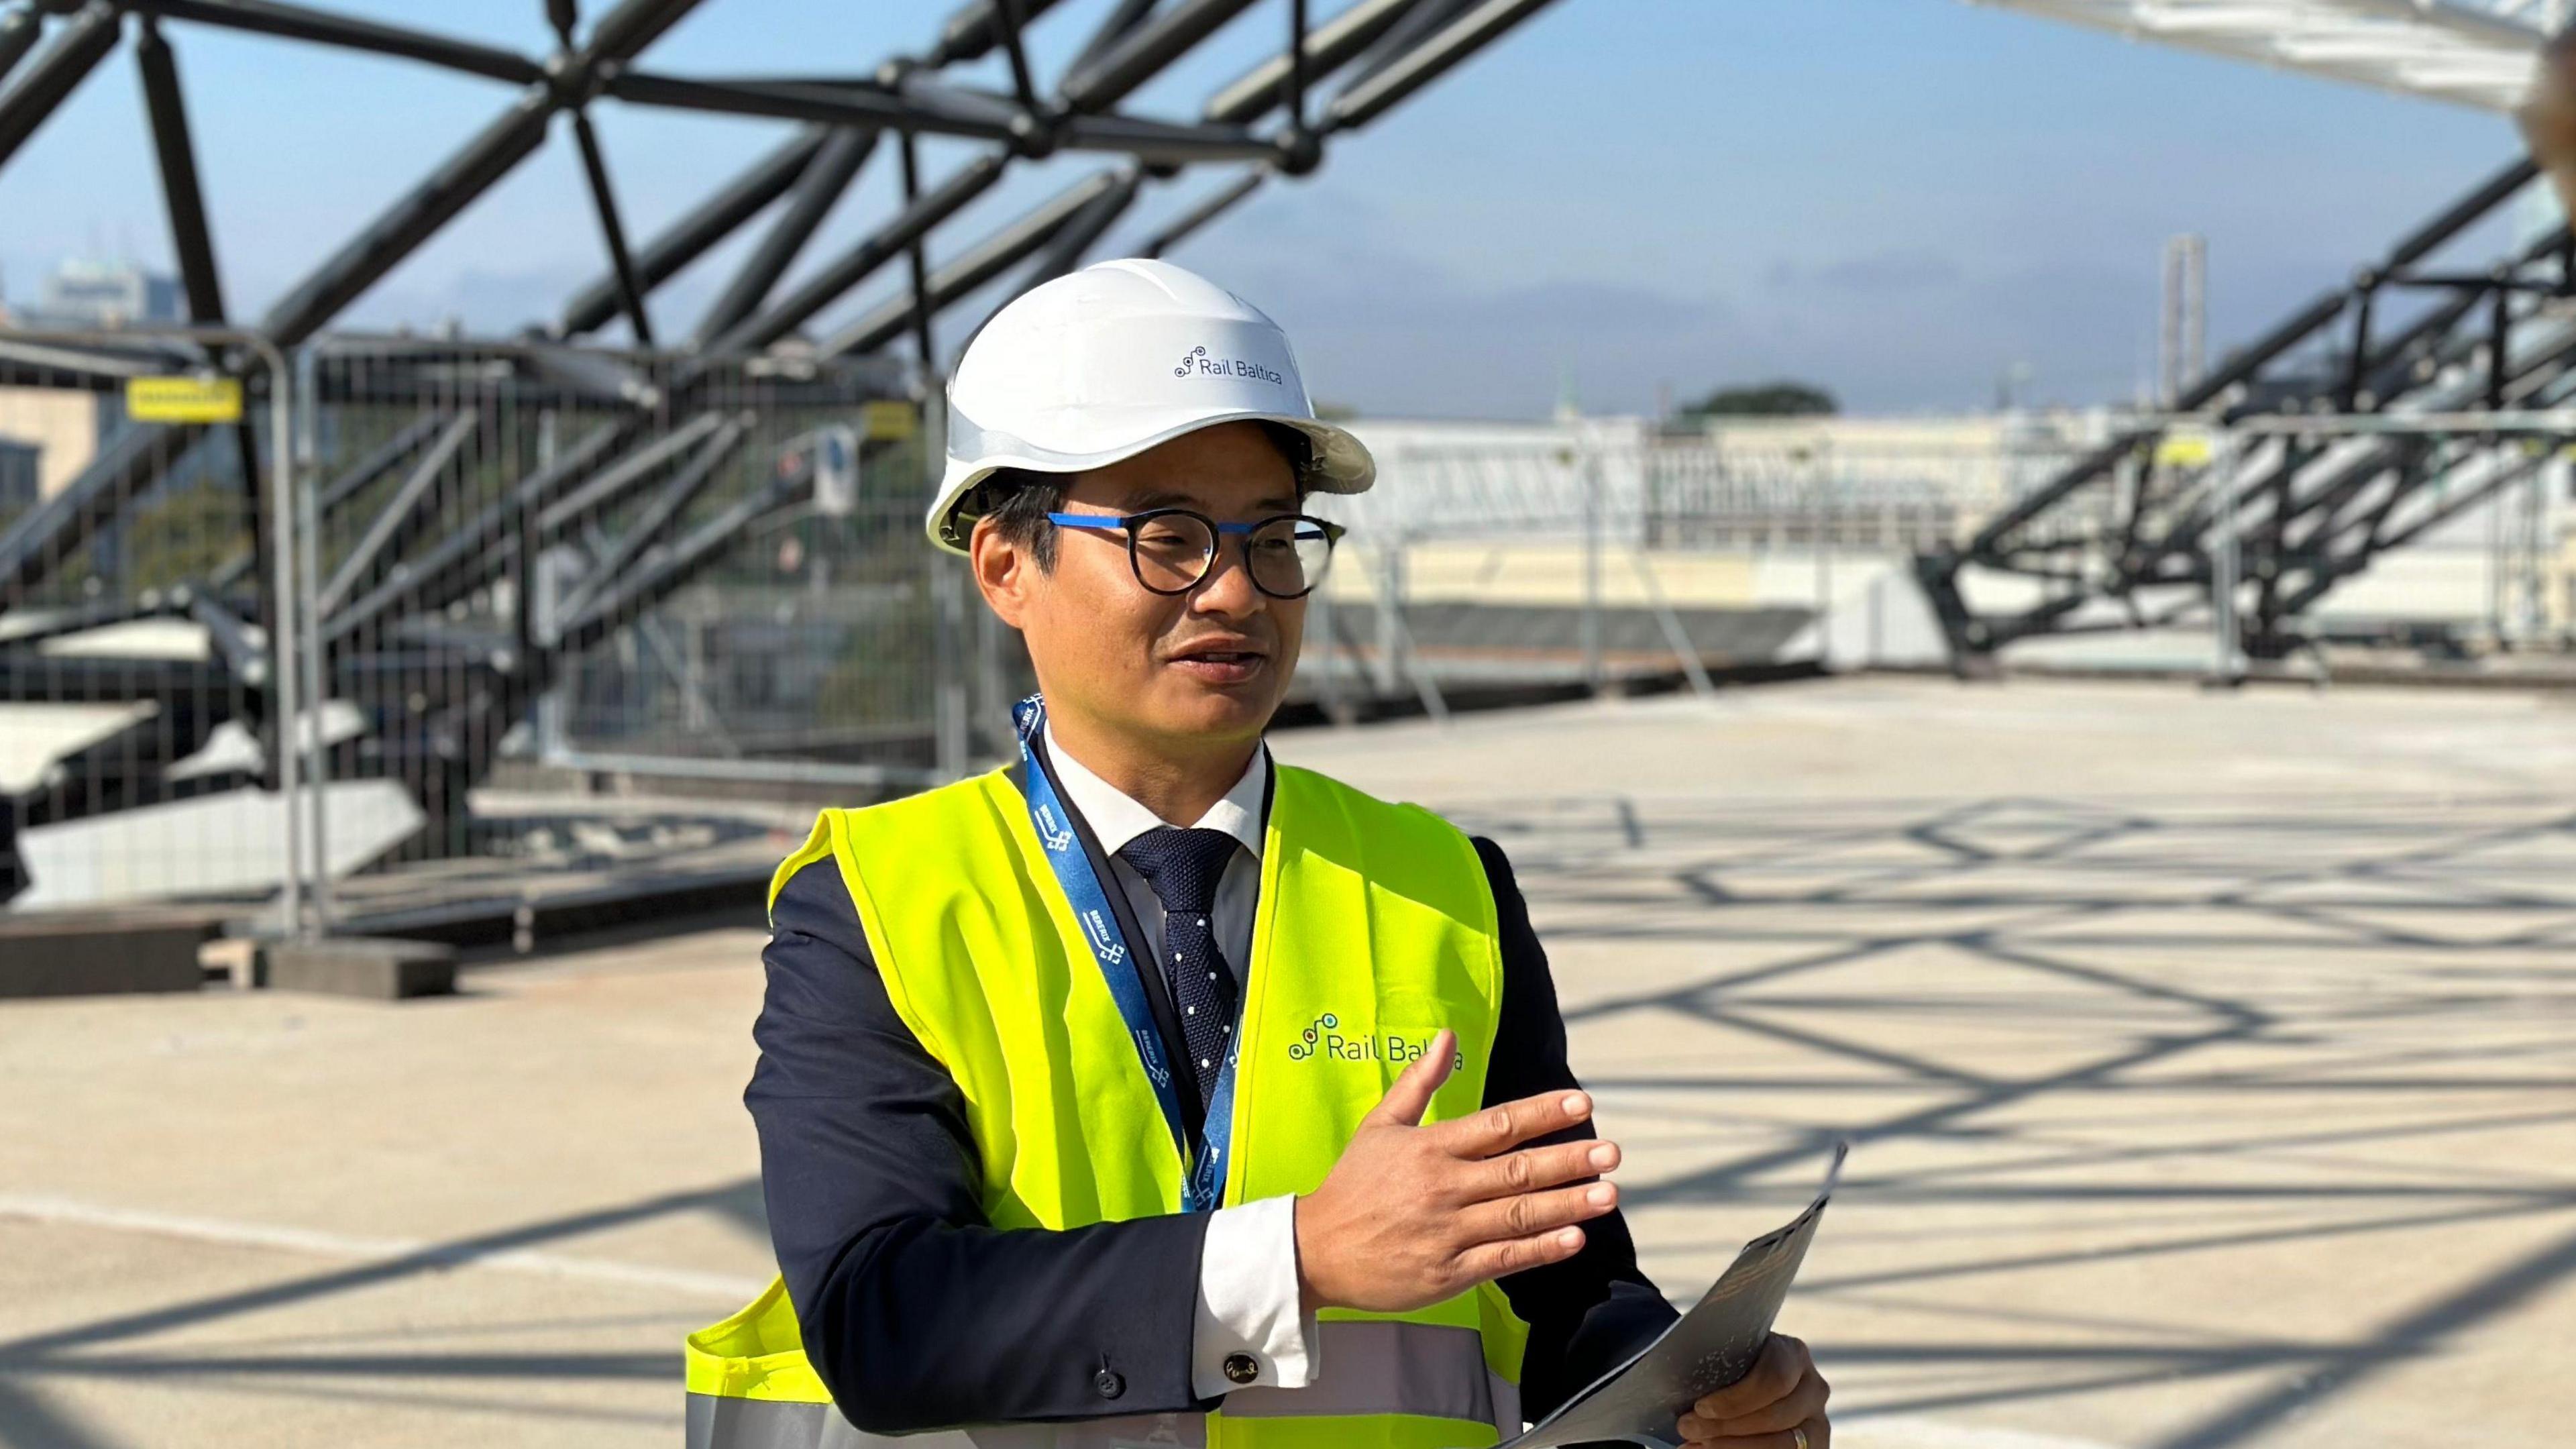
1116	819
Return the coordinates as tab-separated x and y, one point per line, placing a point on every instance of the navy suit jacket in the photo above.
919	1314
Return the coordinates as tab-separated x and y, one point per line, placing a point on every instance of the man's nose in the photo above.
1227	591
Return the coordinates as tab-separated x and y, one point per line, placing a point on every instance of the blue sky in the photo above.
1897	199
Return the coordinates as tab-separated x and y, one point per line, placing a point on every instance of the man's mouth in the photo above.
1230	664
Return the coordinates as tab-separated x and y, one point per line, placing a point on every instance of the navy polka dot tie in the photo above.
1183	867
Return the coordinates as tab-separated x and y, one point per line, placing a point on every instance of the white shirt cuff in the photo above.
1248	1301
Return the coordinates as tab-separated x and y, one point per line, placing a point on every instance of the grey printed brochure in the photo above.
1705	1350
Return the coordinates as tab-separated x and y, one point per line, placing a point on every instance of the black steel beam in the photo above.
982	263
623	32
817	192
57	527
469	557
55	73
399	516
1225	199
933	109
30	627
1139	54
858	263
656	519
706	224
1064	251
296	22
401	228
917	259
1419	20
1162	142
91	367
612	230
594	377
247	660
1328	47
2493	192
1006	21
375	463
602	492
1123	17
20	29
672	569
975	29
491	155
1427	62
190	239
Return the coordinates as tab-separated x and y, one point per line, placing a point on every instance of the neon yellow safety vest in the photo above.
1375	929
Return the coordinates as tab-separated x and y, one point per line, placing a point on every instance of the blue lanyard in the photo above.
1203	1184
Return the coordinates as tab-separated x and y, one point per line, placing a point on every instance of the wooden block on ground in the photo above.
87	953
376	968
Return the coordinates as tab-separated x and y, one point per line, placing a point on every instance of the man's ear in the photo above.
1003	570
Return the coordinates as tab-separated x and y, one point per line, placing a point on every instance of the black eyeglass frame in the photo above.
1132	523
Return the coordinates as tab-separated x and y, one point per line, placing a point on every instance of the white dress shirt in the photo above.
1248	1297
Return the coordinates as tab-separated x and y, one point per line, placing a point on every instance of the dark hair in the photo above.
1018	500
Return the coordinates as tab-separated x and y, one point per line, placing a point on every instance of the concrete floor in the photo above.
2211	1063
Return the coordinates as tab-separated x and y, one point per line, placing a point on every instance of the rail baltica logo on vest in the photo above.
1199	364
1324	1037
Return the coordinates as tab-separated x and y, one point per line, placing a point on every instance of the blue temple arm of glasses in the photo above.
1119	520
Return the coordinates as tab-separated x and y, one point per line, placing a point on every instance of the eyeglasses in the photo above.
1172	549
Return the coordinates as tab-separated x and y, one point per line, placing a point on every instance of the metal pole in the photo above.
1821	530
1675	636
1595	672
283	664
309	566
1390	619
2228	664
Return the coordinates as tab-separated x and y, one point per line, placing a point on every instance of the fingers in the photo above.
1819	1431
1533	1168
1537	1212
1776	1373
1499	1129
1515	1255
1410	1096
1802	1404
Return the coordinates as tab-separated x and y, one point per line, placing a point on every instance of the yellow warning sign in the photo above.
886	422
183	399
2184	449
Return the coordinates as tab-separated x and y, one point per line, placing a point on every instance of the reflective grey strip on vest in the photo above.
1369	1368
716	1423
1393	1368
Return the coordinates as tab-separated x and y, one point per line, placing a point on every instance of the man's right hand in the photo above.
1411	1215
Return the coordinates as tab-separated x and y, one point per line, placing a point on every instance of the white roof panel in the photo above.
2474	52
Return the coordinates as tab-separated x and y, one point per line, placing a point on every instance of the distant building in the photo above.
83	293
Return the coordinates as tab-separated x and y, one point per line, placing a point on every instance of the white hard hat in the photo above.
1103	363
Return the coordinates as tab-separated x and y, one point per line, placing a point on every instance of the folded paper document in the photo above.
1708	1348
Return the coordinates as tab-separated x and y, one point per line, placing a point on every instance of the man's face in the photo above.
1182	672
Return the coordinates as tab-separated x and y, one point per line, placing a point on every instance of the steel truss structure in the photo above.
2158	527
431	502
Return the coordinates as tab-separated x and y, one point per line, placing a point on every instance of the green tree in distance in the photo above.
1782	399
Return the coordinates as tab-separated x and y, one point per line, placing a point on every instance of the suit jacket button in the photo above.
1241	1368
1108	1384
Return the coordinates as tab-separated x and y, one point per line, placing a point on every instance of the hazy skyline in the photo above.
1896	199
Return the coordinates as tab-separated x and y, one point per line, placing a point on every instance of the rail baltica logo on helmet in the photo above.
1324	1037
1198	363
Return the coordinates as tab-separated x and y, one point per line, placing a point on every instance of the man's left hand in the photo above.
1776	1405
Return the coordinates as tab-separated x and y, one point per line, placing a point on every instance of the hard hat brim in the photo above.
1342	463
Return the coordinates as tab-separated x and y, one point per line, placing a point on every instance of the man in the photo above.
1148	1091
